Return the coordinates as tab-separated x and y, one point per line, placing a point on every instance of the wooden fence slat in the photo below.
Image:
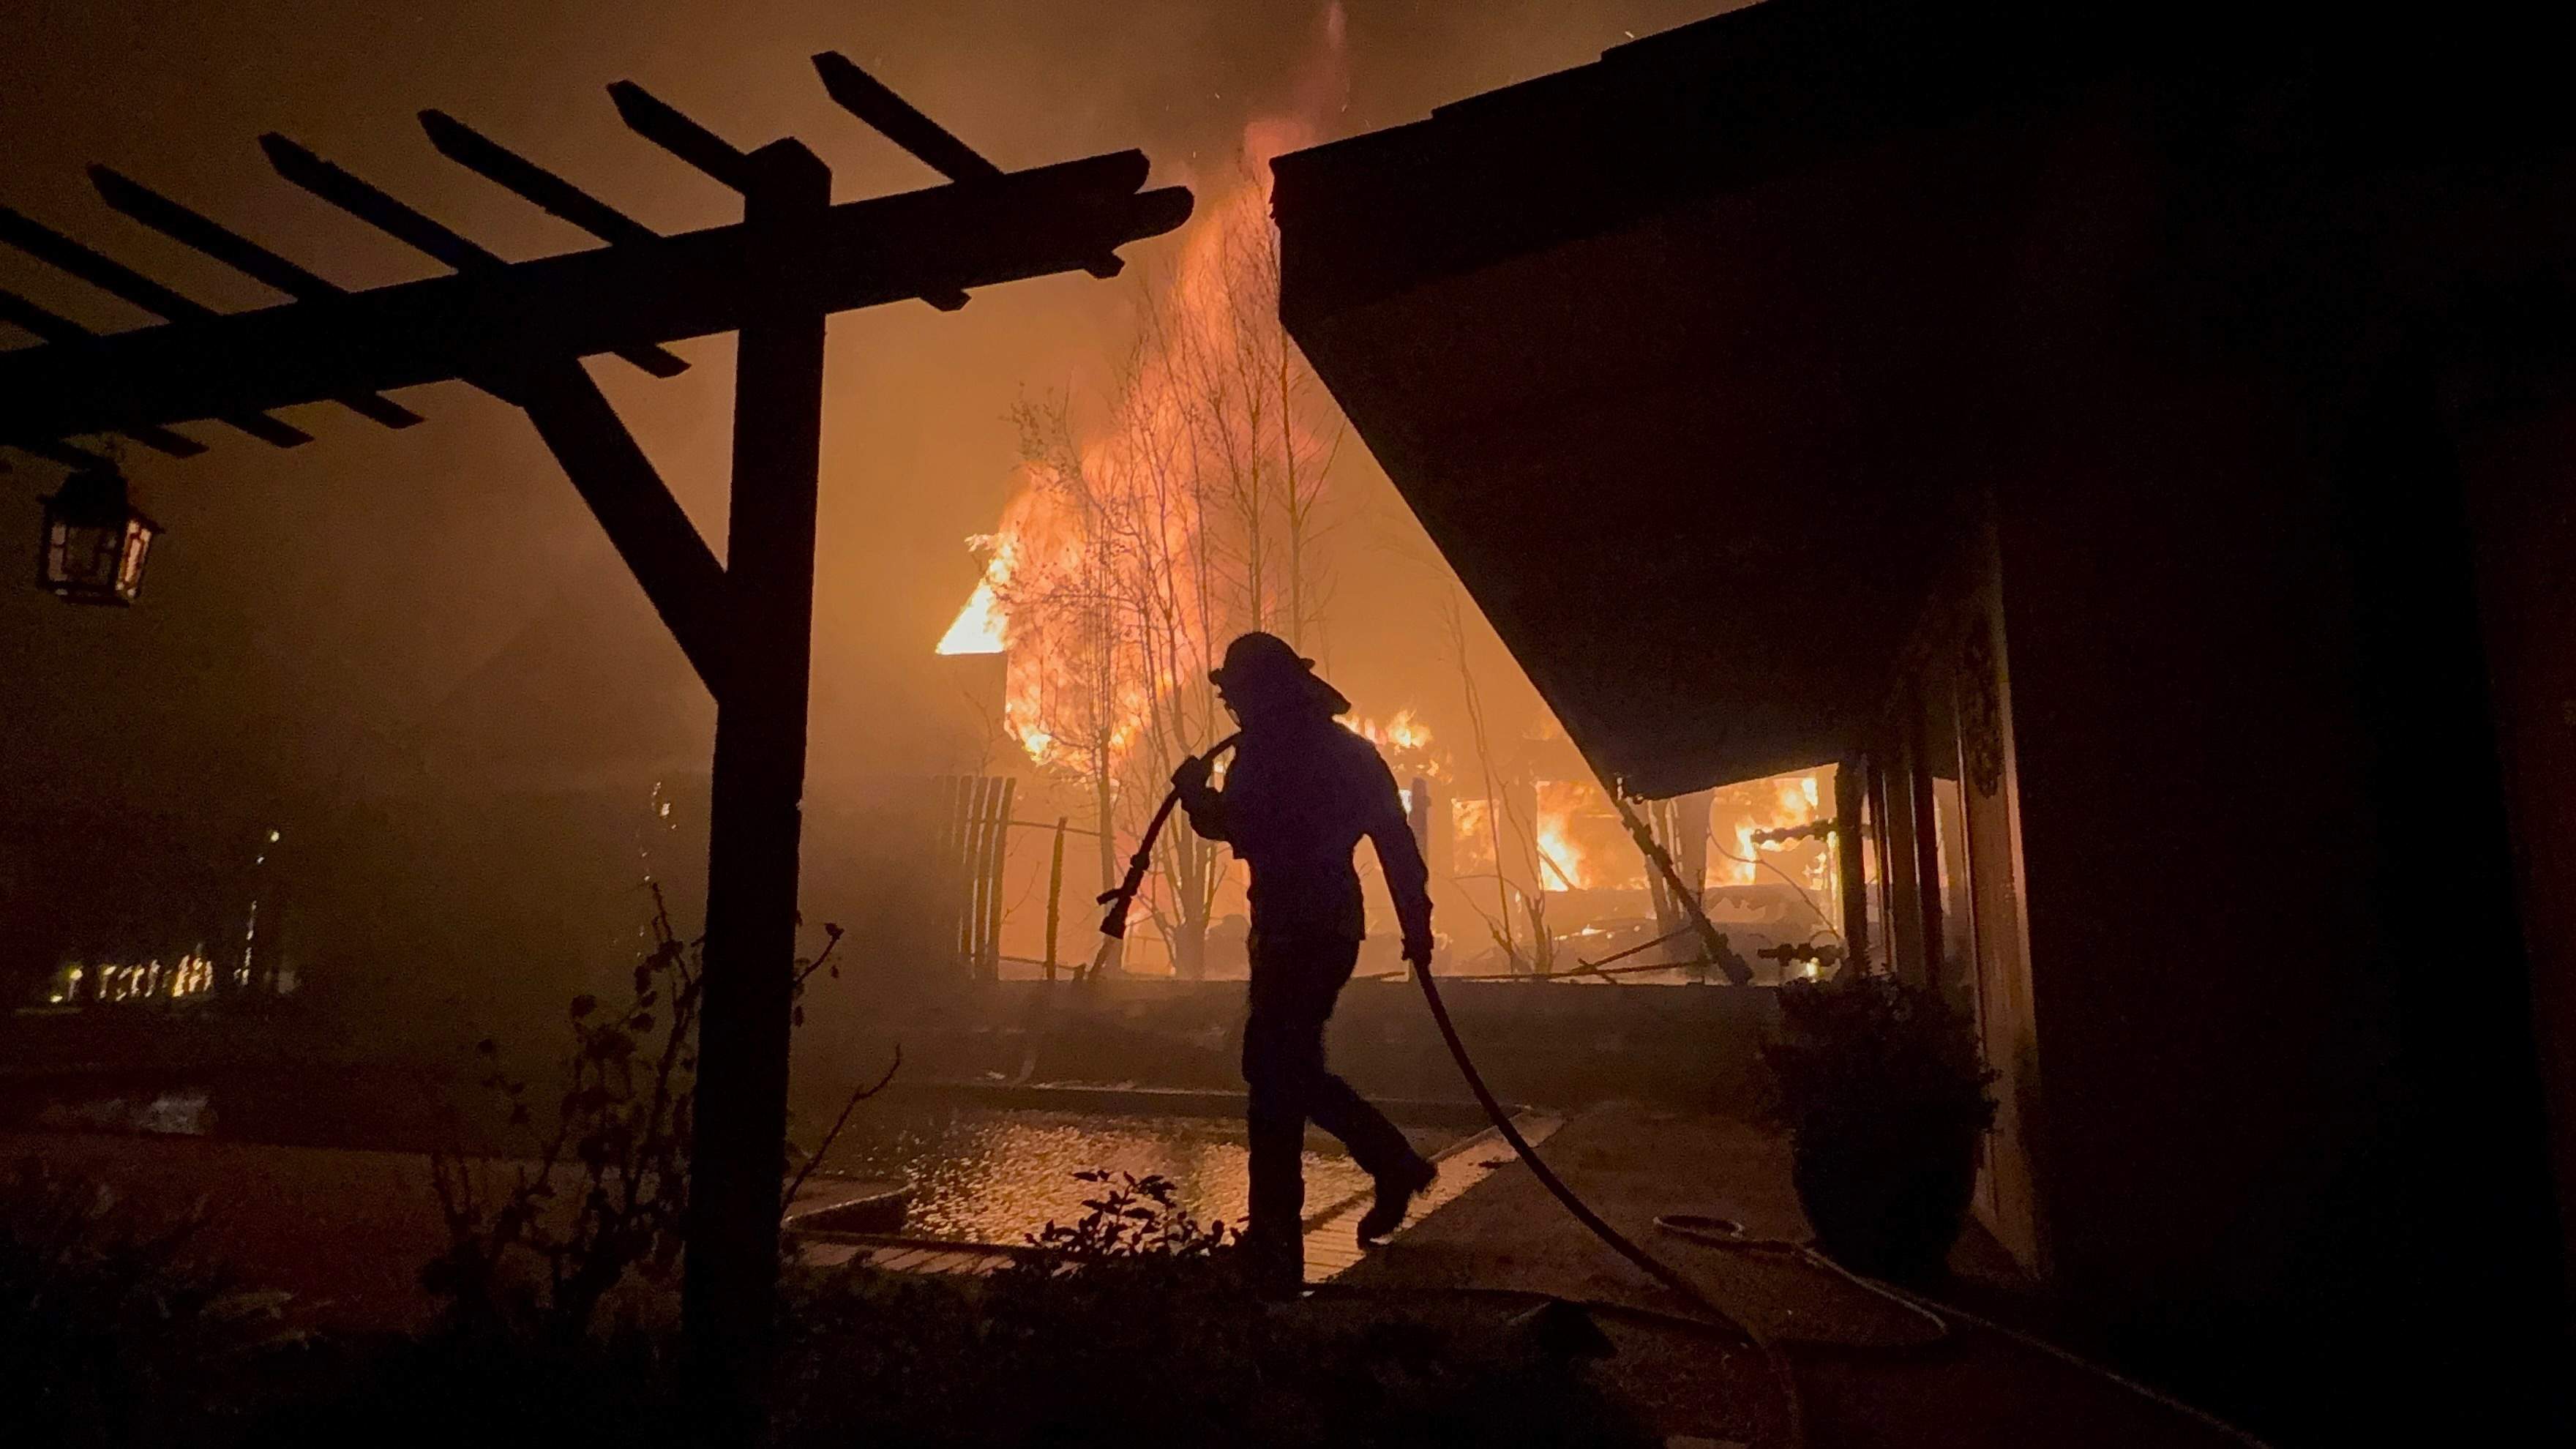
970	812
971	843
1000	856
979	843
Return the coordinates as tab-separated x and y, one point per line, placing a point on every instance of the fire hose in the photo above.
1113	927
1710	1232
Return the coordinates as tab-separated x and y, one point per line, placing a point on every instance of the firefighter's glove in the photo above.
1191	778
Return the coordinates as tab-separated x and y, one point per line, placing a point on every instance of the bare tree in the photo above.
1061	596
1501	808
1265	434
1193	510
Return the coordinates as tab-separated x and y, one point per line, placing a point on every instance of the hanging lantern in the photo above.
95	540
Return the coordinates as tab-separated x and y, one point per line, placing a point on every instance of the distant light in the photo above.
272	837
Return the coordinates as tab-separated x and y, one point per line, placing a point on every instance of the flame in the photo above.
1117	518
1471	836
1403	733
1780	801
1746	866
1563	865
979	626
983	626
1081	587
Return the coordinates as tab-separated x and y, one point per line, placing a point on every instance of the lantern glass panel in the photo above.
83	556
129	569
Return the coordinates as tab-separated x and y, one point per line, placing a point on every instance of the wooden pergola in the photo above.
517	330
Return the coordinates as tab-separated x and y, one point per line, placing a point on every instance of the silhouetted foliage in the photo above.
1138	1326
1871	1045
1131	1325
601	1202
113	1324
1134	1217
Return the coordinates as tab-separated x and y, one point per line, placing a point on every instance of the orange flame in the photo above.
1792	800
1563	865
1130	526
1402	734
983	626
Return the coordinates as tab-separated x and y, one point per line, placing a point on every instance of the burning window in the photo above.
1581	842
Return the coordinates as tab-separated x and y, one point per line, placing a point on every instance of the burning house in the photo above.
2134	455
1201	492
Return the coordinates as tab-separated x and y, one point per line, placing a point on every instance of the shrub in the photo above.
596	1208
114	1328
1143	1330
1873	1047
1141	1333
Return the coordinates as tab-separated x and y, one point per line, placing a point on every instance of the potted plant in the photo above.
1884	1095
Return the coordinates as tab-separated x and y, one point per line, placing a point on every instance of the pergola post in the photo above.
754	821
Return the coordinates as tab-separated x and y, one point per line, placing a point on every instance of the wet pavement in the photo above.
987	1175
1332	1219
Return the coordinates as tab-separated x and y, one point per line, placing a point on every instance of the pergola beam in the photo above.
899	121
666	126
553	194
53	327
694	284
406	223
161	214
652	533
119	280
932	144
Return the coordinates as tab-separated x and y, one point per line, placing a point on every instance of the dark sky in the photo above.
313	610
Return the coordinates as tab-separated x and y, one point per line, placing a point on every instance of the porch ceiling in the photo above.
1685	416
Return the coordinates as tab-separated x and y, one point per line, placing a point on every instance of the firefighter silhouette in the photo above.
1300	795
